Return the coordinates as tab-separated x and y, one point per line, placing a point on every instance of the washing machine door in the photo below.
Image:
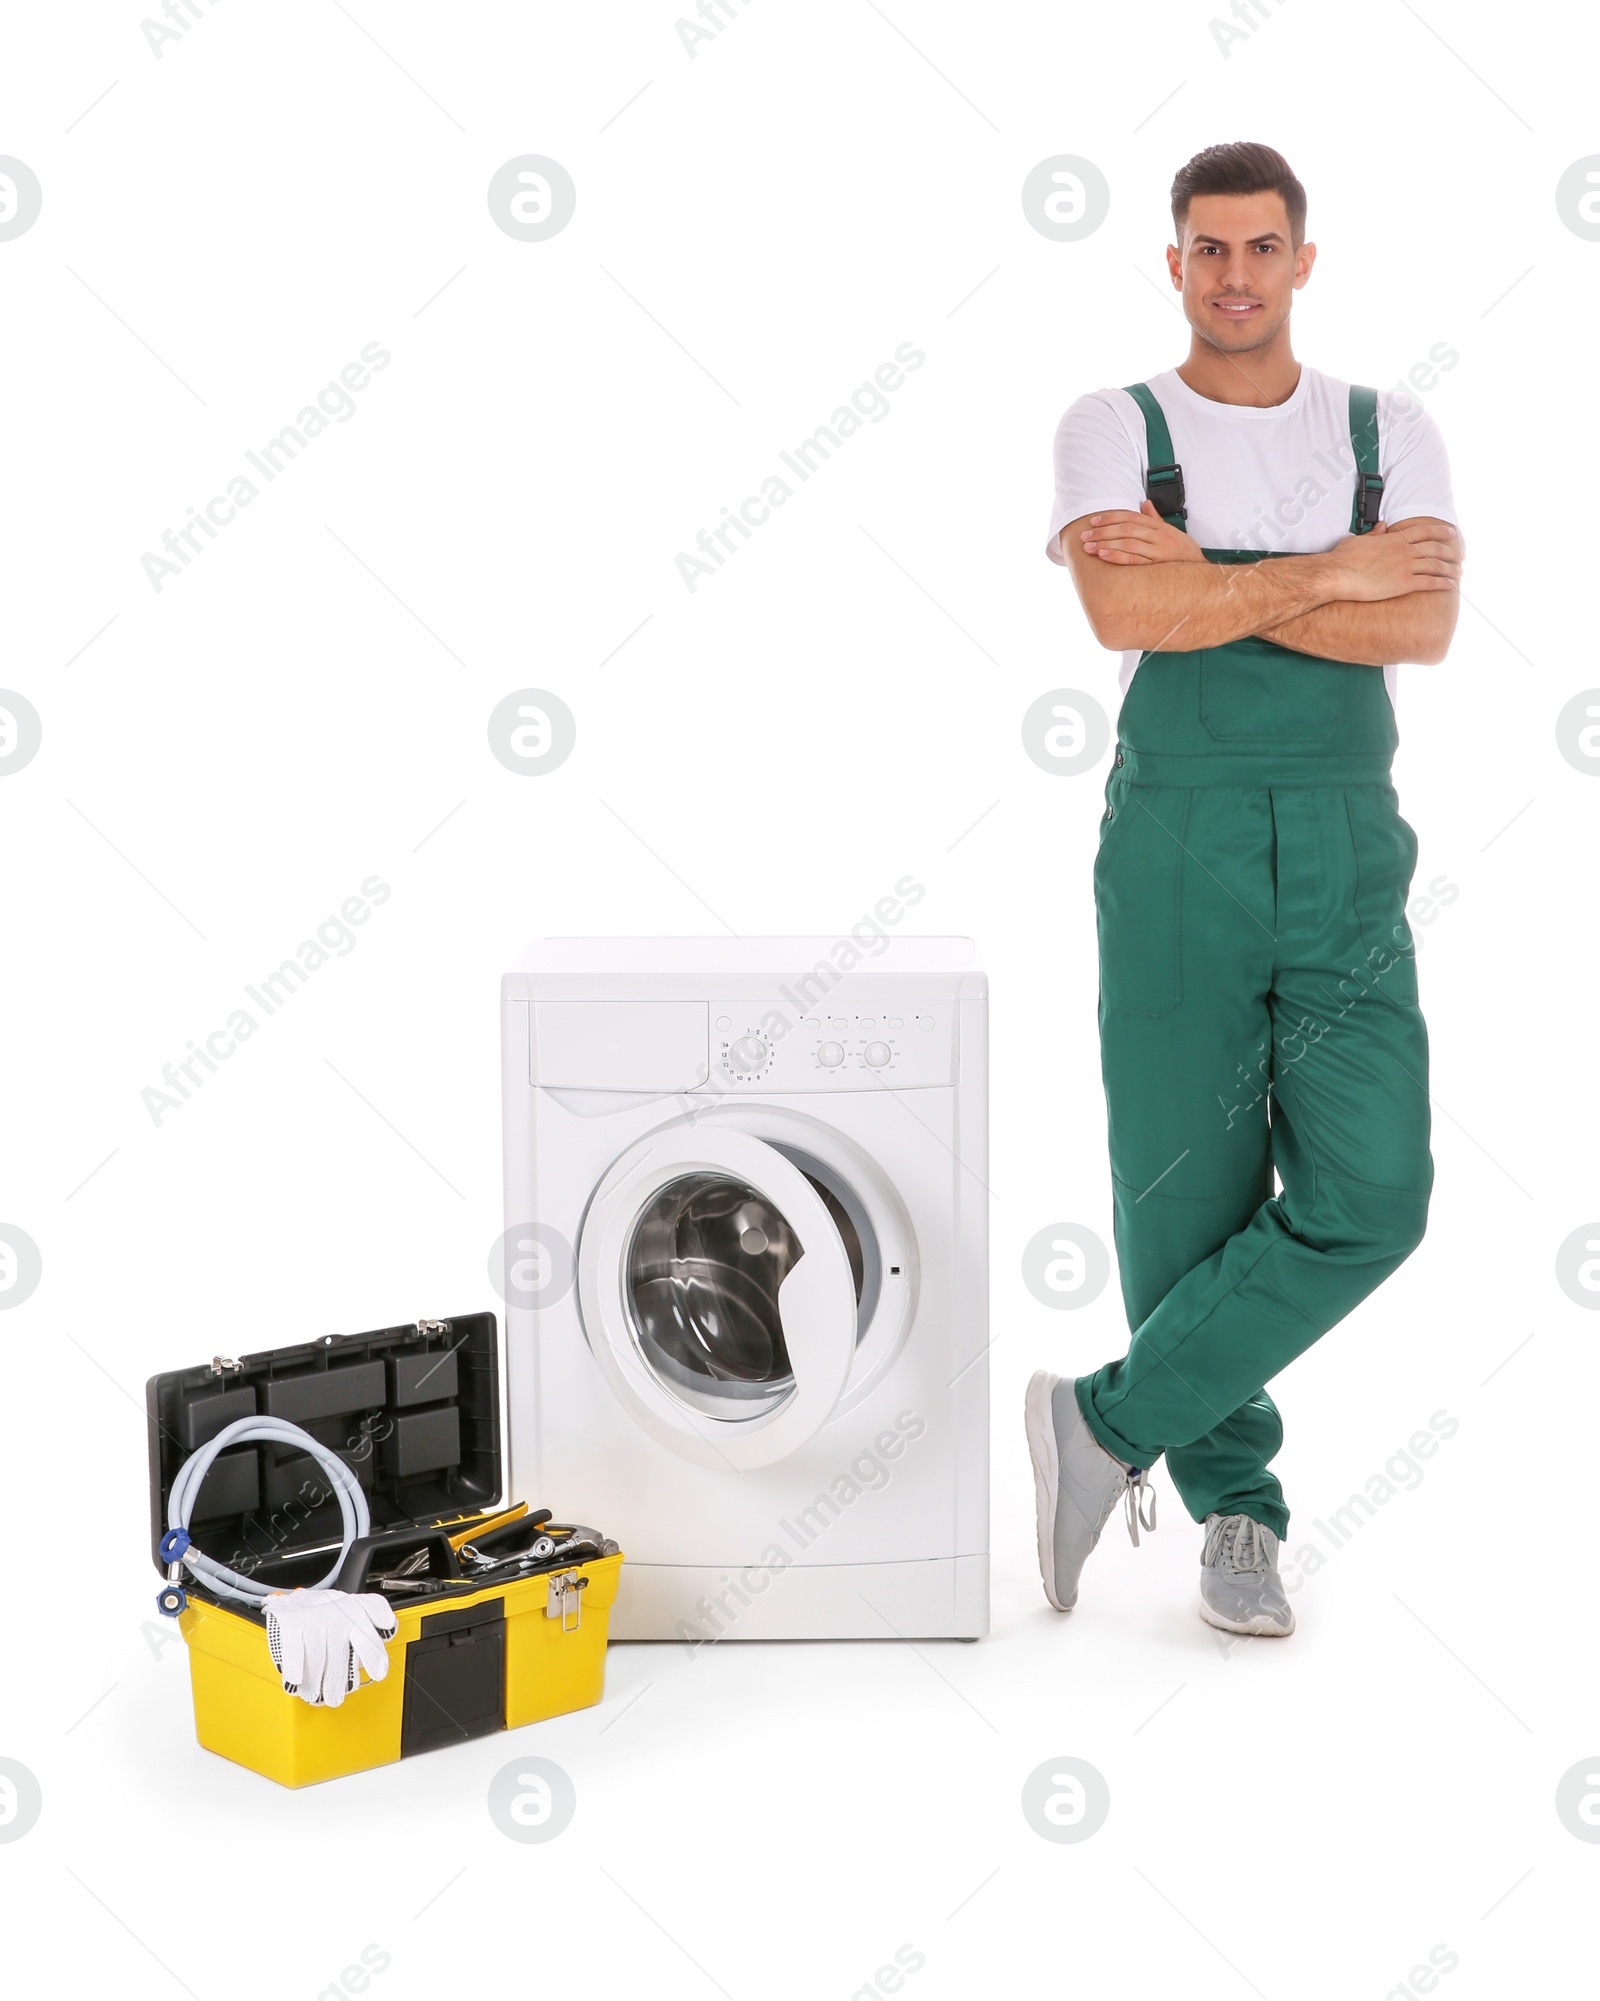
717	1295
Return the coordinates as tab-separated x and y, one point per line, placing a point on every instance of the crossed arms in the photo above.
1376	599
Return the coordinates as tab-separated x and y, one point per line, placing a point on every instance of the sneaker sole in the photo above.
1255	1629
1039	1420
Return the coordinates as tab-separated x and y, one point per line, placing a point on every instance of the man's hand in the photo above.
1418	555
1155	592
1416	624
1120	537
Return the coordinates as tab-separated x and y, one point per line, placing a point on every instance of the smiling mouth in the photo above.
1237	309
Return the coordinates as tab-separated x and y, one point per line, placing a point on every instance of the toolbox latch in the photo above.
564	1600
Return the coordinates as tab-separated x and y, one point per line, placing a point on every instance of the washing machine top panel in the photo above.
866	969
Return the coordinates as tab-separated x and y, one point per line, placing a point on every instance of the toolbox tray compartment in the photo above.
414	1411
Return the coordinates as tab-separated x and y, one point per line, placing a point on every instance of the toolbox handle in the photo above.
442	1560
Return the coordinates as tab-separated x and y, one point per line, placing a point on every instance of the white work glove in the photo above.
321	1640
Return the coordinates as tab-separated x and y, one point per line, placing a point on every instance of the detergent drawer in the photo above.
619	1045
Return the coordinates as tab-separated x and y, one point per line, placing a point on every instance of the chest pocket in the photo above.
1253	691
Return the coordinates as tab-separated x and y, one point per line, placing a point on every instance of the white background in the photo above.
224	762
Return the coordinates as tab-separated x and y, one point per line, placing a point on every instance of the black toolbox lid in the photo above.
413	1411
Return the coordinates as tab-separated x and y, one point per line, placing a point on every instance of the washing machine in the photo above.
745	1267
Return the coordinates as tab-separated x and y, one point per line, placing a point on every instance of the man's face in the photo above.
1237	269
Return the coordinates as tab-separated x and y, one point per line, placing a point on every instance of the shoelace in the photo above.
1138	1491
1237	1541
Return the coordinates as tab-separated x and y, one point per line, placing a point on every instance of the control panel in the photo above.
768	1045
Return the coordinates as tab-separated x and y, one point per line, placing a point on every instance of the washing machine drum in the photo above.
721	1290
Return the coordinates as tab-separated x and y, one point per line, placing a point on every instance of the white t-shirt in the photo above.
1279	479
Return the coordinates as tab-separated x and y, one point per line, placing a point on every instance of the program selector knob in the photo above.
830	1055
747	1056
876	1054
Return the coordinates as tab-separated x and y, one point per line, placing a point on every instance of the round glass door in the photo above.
720	1287
707	1259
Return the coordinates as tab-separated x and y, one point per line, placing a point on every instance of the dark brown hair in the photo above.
1240	169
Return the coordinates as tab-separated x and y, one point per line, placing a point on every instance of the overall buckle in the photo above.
1163	487
1369	498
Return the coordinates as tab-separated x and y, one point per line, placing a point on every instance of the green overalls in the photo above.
1258	1011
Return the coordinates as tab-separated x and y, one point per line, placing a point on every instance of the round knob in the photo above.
747	1055
831	1055
876	1054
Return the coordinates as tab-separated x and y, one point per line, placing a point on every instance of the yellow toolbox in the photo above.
414	1412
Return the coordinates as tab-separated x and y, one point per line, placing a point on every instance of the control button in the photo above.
894	1021
876	1054
747	1056
839	1024
723	1023
831	1055
811	1022
924	1021
867	1024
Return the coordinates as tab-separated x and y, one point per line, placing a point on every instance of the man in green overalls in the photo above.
1262	542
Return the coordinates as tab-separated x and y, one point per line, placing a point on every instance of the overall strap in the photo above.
1364	442
1163	480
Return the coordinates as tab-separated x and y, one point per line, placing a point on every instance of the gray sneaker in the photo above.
1240	1589
1076	1483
